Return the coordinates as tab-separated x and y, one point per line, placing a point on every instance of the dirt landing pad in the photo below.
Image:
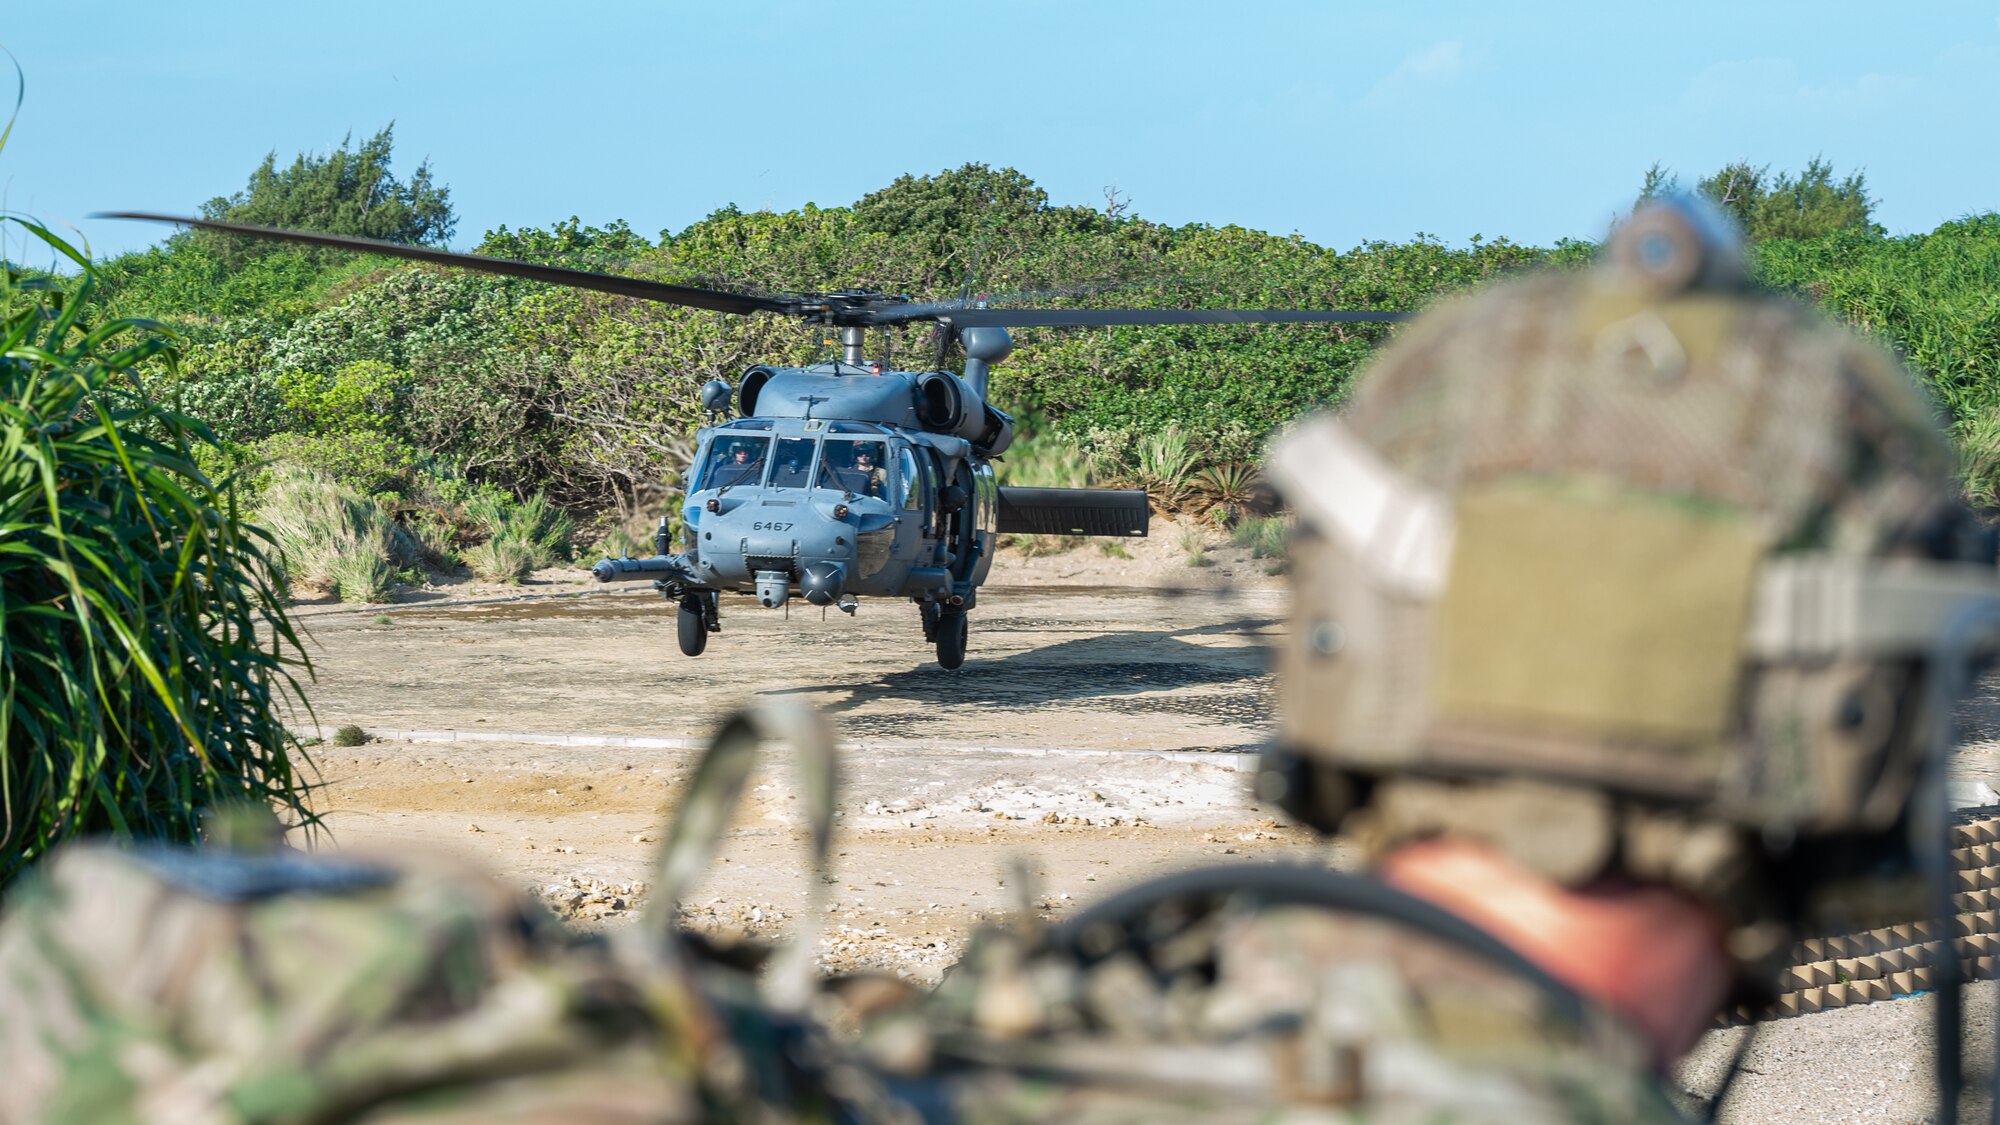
1098	736
1079	668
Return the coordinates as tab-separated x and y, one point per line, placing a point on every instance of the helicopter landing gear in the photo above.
695	622
950	637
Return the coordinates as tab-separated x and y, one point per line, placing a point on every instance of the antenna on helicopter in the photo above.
715	399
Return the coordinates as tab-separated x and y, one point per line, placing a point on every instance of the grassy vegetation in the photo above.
332	539
1934	298
1264	536
1041	459
143	643
1192	542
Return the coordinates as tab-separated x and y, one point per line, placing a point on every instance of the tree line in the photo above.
409	382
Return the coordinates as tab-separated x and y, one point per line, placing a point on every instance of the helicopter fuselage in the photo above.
836	508
842	481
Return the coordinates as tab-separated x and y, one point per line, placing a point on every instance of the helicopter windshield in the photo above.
735	461
792	467
854	466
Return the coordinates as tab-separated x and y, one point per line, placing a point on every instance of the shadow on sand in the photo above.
1103	670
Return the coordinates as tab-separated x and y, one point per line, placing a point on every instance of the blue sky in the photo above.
1342	123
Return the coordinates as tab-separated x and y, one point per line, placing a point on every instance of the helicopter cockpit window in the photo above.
854	466
791	467
906	467
749	424
735	461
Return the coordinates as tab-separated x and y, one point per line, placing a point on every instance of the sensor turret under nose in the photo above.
774	588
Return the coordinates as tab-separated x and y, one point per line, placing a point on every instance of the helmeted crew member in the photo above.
872	479
738	467
1582	655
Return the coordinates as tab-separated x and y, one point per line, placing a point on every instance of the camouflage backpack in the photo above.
157	984
1259	992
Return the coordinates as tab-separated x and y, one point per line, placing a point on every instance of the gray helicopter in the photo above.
847	479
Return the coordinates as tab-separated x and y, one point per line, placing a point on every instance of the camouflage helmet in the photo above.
1632	567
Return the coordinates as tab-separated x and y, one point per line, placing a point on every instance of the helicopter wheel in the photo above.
951	638
692	625
930	611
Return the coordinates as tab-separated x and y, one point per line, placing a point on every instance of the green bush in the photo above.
501	560
538	528
1040	459
1935	298
332	538
142	647
240	406
358	396
363	460
1036	546
1229	485
1265	537
1162	463
1979	458
619	543
438	537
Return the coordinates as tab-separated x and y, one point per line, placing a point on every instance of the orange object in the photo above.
1652	955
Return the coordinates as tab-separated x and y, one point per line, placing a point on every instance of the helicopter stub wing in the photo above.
1073	511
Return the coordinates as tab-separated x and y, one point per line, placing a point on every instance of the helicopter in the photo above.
847	479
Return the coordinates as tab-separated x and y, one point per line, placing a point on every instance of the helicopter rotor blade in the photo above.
949	309
687	296
1095	318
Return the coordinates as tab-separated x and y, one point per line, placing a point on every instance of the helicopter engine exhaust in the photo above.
774	588
946	404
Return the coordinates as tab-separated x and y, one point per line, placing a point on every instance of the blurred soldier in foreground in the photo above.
1614	604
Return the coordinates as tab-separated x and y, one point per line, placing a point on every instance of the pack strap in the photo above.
1396	527
710	802
1811	606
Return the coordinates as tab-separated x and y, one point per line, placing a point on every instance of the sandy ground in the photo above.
1098	734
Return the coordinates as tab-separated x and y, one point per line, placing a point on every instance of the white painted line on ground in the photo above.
1238	760
334	609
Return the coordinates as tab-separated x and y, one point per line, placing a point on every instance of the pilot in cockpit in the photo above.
737	467
870	476
855	469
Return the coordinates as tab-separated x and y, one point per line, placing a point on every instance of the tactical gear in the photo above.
1674	551
1252	992
161	984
